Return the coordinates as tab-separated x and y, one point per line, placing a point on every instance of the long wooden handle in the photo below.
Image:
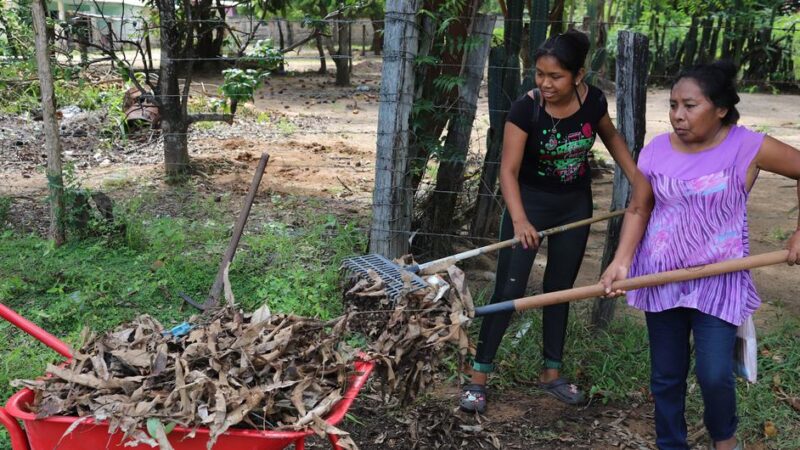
441	264
216	288
655	279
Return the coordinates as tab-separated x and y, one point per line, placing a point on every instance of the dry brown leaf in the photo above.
770	430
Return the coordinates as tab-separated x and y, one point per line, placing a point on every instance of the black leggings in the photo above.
564	255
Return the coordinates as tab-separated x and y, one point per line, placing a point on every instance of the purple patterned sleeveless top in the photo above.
699	217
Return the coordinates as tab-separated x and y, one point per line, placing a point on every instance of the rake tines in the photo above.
396	280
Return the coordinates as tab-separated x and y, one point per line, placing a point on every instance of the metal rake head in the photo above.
391	274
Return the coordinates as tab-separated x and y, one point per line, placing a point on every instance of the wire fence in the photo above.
350	182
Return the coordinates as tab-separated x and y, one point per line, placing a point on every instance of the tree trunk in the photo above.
174	121
711	52
281	66
705	40
504	86
727	49
450	176
536	36
391	204
349	48
323	67
340	56
210	33
55	181
423	83
597	36
556	18
691	43
429	124
631	103
377	35
289	33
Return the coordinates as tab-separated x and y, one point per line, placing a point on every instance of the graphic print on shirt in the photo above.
564	156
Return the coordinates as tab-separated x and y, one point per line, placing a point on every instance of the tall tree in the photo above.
442	209
334	18
55	181
444	31
183	32
504	85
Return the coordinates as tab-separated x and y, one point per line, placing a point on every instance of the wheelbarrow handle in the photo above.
442	264
655	279
19	441
31	328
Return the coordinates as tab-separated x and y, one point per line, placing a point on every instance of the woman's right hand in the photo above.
527	235
615	271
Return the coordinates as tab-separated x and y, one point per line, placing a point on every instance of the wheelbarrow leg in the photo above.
334	442
19	441
299	444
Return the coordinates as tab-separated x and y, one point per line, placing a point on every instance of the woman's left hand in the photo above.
794	248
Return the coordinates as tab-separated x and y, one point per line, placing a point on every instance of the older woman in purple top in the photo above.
692	210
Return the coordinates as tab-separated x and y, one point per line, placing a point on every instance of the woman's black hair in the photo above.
717	80
569	48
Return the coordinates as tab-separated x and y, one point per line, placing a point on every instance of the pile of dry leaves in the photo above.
260	371
257	371
410	335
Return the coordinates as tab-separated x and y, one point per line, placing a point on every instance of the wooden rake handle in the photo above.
442	264
655	279
216	289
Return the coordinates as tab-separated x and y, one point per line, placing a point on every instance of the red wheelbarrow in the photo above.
48	433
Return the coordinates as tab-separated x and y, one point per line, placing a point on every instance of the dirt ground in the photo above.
321	139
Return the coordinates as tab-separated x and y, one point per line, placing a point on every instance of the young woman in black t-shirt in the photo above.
546	182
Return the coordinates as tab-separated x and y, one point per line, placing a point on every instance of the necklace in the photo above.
552	142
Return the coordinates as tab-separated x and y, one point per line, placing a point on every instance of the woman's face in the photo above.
693	116
556	83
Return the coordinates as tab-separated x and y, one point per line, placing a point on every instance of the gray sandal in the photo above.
473	398
563	391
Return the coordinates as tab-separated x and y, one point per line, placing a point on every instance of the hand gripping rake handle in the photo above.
655	279
442	264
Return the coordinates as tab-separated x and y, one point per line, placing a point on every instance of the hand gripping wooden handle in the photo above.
655	279
442	264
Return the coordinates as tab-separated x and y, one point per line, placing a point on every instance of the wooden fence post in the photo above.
55	180
632	63
363	39
391	198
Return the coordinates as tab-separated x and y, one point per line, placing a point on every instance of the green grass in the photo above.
286	127
5	208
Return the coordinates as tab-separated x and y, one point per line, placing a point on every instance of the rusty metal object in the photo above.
140	111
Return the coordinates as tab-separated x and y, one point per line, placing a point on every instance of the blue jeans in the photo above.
714	343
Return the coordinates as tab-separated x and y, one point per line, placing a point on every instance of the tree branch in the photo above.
211	117
310	37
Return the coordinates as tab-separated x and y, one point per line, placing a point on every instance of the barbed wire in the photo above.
397	17
411	58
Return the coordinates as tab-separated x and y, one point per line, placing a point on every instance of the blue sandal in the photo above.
473	398
564	391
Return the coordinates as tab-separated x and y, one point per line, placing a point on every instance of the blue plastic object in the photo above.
179	330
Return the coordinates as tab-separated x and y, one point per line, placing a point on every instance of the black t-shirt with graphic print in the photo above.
554	161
